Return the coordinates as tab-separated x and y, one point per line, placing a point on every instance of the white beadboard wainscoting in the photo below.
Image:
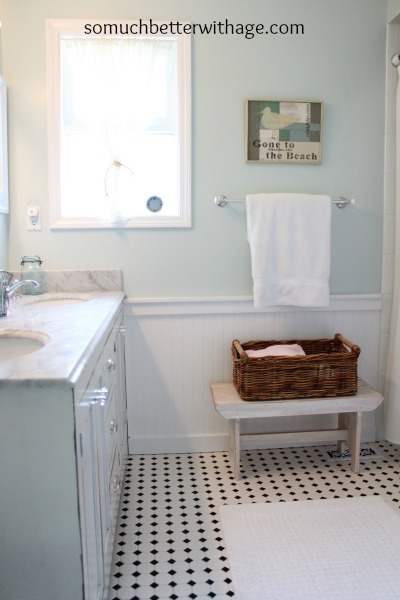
176	347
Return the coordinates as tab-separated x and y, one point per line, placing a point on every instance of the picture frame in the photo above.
4	200
283	132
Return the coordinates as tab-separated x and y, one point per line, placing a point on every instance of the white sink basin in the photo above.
57	301
15	343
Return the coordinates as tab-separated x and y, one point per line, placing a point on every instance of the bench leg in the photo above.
234	446
341	425
353	426
351	422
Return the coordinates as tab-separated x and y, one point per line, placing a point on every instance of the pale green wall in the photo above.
3	241
340	60
393	10
4	219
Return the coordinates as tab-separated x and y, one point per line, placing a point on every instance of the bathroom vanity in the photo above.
63	444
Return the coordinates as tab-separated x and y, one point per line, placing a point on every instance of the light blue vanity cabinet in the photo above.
88	442
63	445
101	438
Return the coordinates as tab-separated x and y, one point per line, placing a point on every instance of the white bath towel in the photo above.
277	350
290	244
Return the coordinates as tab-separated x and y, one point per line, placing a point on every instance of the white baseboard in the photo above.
176	445
213	443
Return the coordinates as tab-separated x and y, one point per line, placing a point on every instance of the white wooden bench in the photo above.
349	409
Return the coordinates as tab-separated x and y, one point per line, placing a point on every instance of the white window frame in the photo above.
55	30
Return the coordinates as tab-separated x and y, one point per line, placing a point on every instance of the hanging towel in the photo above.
290	245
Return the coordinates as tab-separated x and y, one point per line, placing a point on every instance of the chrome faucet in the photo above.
6	291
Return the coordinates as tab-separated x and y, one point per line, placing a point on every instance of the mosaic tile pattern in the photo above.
169	541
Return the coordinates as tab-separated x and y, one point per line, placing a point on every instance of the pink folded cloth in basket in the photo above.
277	350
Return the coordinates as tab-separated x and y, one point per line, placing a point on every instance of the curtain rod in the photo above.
340	202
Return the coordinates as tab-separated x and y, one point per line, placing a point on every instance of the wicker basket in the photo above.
327	369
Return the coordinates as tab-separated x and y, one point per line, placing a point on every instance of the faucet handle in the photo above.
5	278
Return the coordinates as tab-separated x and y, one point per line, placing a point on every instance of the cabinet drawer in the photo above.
111	427
115	488
110	357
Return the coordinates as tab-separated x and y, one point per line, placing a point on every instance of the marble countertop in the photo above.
74	327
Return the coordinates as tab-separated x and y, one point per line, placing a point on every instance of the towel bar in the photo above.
223	201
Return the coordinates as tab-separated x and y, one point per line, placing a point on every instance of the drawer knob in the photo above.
110	365
100	397
117	484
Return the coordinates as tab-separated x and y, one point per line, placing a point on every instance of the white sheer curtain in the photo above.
115	93
392	391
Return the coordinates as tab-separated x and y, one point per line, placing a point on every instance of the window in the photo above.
119	126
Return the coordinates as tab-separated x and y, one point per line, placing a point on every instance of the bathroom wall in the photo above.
3	241
340	60
176	349
393	11
4	225
4	219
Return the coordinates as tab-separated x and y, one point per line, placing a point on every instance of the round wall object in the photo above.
154	203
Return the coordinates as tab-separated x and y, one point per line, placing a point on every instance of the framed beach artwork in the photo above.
285	132
4	204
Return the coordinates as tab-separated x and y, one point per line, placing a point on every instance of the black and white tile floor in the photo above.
169	540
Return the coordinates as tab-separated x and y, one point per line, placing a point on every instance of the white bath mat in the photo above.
340	549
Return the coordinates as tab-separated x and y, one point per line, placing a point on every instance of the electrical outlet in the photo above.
34	218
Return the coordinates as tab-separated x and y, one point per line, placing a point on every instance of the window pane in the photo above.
121	135
82	178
